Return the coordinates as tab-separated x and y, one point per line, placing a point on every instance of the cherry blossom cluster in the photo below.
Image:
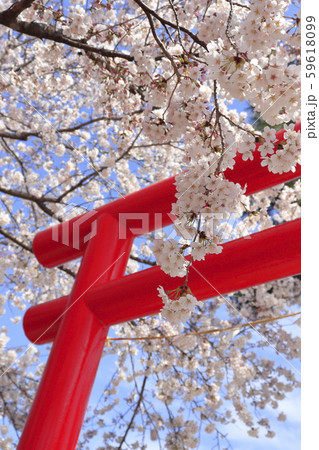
287	155
204	201
178	305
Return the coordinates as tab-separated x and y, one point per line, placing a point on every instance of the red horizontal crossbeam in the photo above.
244	262
153	200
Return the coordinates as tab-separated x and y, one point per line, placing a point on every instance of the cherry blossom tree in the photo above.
101	98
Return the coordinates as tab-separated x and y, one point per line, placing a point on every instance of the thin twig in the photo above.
161	45
229	19
147	10
212	330
8	18
218	115
134	413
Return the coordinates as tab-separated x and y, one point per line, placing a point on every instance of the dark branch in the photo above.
8	18
30	250
142	261
26	196
24	135
134	413
164	22
79	183
15	240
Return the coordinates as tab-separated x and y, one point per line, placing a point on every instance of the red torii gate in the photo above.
78	324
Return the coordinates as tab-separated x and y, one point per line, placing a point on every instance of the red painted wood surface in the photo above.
268	255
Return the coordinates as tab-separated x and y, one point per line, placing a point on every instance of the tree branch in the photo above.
26	196
164	22
8	18
229	19
219	128
134	413
143	261
24	135
30	250
21	136
161	45
79	183
15	241
10	14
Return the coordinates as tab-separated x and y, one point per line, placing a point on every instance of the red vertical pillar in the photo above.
56	416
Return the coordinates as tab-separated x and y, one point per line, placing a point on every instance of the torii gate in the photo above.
101	296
